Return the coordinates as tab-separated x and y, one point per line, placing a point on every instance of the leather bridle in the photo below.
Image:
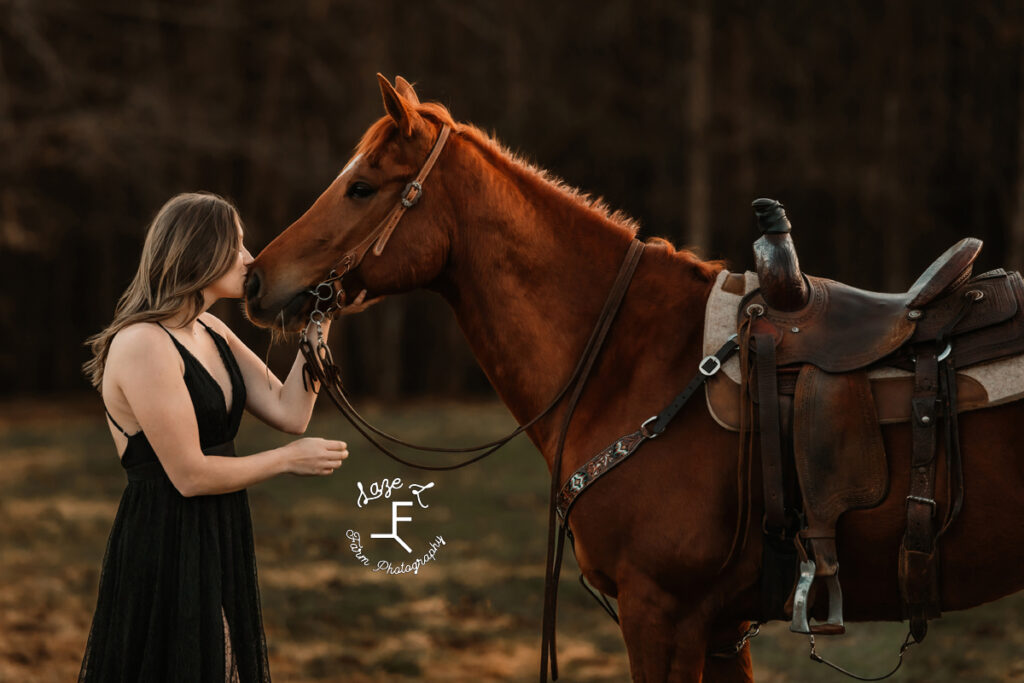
378	237
320	367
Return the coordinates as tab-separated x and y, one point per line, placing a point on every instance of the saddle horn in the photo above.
778	269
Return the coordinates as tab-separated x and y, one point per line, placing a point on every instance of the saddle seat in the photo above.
842	328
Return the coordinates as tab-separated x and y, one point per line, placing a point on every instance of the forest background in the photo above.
888	129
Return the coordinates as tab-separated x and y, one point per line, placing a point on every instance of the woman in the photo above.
178	596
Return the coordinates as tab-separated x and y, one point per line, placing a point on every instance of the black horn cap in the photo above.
771	216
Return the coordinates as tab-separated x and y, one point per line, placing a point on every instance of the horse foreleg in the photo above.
724	667
666	641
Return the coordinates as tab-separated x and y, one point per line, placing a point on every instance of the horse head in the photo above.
341	239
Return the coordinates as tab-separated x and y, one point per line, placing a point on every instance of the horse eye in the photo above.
360	190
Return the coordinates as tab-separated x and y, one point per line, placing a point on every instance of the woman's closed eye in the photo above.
360	190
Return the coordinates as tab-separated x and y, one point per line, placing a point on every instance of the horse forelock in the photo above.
376	138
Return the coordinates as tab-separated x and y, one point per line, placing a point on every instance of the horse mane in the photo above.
375	139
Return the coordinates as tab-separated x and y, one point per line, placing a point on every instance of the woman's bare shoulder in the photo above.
138	333
140	342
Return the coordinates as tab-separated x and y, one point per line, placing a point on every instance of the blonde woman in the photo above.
178	596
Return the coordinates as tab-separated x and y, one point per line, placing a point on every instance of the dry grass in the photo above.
473	614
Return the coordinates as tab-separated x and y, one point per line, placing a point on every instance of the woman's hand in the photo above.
313	456
358	305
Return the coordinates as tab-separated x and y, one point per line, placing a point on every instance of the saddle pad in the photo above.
979	386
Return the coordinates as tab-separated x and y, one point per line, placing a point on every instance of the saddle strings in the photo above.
746	451
947	380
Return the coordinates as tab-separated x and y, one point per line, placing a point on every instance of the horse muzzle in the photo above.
289	316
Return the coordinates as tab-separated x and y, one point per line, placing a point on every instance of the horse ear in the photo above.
397	107
404	89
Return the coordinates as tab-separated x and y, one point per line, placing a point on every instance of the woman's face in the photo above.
231	285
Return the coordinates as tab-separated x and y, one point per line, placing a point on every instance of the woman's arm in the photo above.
283	405
149	372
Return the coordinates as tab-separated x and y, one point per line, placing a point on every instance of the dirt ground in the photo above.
471	612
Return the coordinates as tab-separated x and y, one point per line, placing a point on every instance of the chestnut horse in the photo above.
526	263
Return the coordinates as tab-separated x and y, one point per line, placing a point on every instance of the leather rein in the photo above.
321	369
329	296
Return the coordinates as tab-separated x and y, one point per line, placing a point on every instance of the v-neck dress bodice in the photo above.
178	594
217	424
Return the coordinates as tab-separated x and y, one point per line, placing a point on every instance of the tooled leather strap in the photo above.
615	454
917	567
379	236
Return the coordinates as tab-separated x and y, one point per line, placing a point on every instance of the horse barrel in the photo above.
778	269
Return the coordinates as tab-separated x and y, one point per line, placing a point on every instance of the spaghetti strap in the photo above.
114	422
175	339
177	344
167	331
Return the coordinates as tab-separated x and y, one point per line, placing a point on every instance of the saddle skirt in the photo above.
978	386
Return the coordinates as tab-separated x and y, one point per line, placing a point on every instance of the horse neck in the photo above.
531	267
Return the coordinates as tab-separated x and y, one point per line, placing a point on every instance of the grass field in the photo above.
471	614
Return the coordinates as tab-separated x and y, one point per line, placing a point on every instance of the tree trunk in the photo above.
698	230
1016	255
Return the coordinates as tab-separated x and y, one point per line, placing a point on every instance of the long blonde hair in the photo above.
191	243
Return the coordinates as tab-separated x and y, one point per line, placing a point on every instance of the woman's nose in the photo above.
246	257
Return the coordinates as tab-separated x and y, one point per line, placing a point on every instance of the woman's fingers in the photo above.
316	456
337	451
359	304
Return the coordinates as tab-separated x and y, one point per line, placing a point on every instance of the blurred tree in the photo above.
887	129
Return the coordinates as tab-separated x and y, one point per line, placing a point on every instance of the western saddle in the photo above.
808	344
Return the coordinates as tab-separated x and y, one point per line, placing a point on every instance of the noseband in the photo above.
331	298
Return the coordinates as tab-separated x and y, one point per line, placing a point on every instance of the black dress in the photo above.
178	596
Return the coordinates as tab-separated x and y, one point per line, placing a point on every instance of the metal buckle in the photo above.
407	201
646	433
945	352
716	366
924	501
755	310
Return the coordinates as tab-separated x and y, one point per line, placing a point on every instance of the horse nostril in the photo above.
253	285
